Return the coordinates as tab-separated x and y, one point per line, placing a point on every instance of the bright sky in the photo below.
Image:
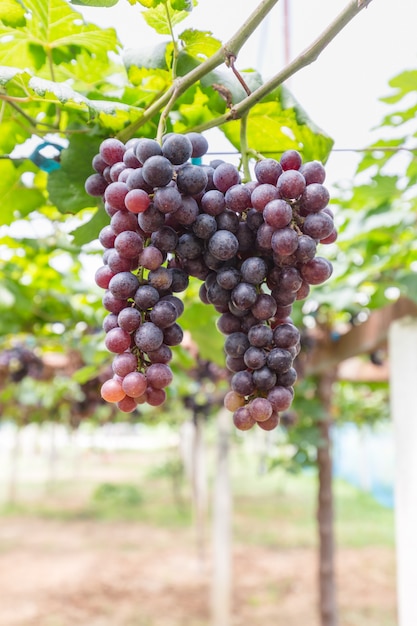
340	91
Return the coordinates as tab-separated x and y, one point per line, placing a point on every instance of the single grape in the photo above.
148	337
155	397
137	200
278	213
238	198
112	150
134	384
233	401
164	314
254	358
223	245
314	198
243	419
124	364
146	297
318	225
146	148
165	239
243	383
123	220
157	171
291	184
117	340
129	319
262	195
213	202
159	375
316	271
177	148
127	405
199	144
173	335
225	176
95	185
313	172
291	160
112	391
260	409
167	199
124	285
264	378
109	322
271	423
129	244
268	171
236	344
191	179
260	335
103	276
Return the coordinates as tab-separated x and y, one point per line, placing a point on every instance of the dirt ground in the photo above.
84	573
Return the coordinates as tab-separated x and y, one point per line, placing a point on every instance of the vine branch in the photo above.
181	84
305	58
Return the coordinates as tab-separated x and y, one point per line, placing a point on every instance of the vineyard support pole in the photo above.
403	392
325	514
221	585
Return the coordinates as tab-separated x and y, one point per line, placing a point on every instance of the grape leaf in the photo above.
199	44
163	16
402	84
95	3
17	198
150	58
54	28
182	5
12	13
200	320
150	4
66	185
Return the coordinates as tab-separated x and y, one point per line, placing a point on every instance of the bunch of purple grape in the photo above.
252	244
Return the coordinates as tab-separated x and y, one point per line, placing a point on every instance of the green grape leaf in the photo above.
54	28
95	3
200	320
182	5
162	17
66	185
199	44
113	114
149	58
89	231
150	4
17	198
402	84
12	13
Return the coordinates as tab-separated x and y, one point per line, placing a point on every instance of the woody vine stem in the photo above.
230	50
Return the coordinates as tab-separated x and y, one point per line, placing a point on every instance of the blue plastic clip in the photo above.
47	164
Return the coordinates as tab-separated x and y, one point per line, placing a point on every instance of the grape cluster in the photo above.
253	245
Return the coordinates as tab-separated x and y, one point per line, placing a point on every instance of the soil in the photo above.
84	573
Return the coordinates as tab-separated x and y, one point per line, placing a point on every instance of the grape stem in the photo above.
231	63
244	147
182	83
305	58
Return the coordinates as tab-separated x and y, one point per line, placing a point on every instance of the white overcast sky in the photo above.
340	91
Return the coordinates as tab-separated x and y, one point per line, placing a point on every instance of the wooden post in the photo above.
327	584
403	388
221	579
199	487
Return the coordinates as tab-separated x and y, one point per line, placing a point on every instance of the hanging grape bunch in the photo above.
252	244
